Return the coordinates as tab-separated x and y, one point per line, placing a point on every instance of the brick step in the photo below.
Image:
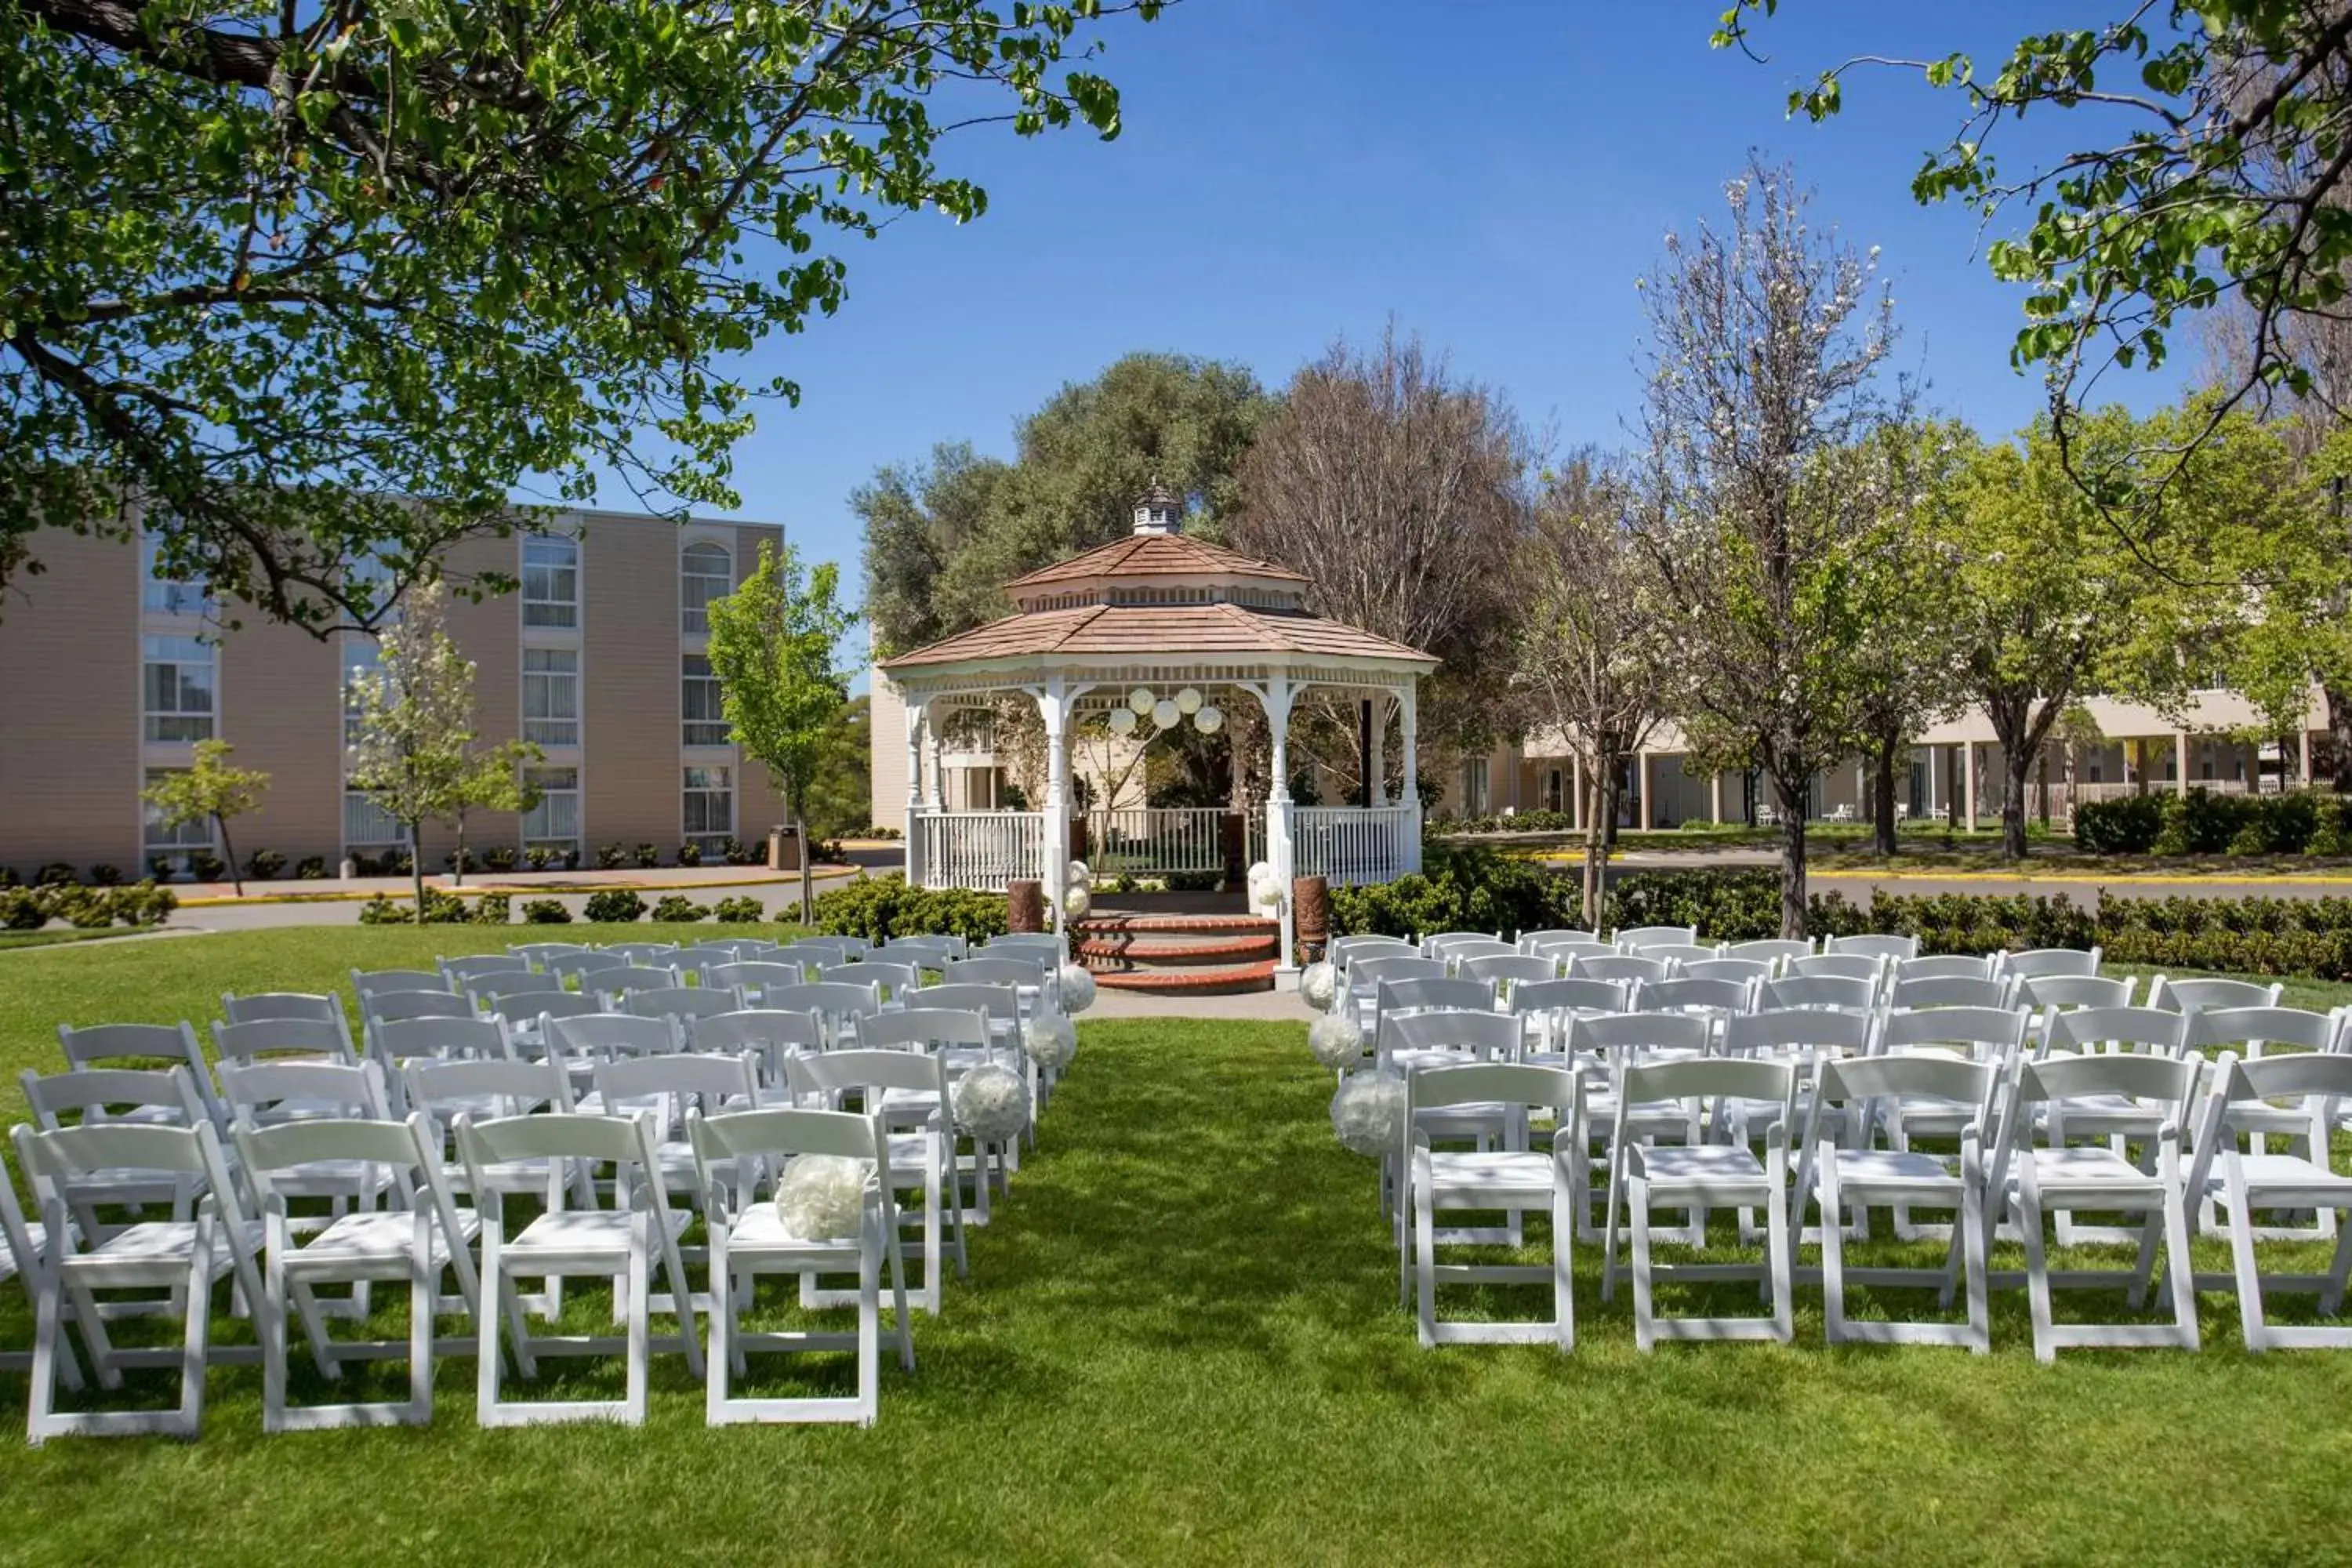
1231	981
1095	926
1121	952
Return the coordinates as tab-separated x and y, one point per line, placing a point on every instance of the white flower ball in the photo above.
1051	1041
1077	987
1319	986
1075	901
822	1197
1078	874
1336	1040
1259	872
991	1103
1368	1113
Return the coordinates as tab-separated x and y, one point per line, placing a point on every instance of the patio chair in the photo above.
2198	994
369	982
685	1002
1951	991
25	1258
1513	1179
2035	963
923	1159
776	1034
1832	993
1875	944
2246	1183
1641	938
1950	966
1775	950
463	973
1618	966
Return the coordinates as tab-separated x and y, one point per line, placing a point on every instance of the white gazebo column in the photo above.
915	794
1054	707
1409	741
1277	699
935	784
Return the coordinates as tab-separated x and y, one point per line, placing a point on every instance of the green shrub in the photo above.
492	909
56	874
679	909
648	857
264	864
742	911
440	909
538	856
312	869
1460	888
880	907
85	909
614	906
143	904
502	858
21	909
2331	830
208	867
546	912
612	856
741	854
105	876
689	854
9	877
2125	827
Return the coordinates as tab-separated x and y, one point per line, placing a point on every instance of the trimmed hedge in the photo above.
880	907
85	909
440	909
2203	823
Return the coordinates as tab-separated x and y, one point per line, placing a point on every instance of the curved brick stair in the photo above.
1191	956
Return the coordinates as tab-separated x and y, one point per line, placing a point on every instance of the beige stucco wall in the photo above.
281	707
70	725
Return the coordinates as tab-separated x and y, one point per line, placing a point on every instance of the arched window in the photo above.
705	571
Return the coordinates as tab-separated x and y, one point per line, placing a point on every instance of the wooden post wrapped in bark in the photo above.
1233	841
1024	899
1310	903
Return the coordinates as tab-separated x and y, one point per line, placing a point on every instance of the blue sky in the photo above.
1494	173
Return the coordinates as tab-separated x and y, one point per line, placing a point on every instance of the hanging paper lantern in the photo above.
1140	700
991	1103
1188	702
1075	902
1164	714
1336	1040
822	1197
1122	721
1078	874
1077	988
1209	721
1368	1113
1318	986
1051	1040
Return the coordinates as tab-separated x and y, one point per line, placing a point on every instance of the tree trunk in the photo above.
1596	844
228	851
416	866
808	862
458	866
1881	808
1793	912
2017	764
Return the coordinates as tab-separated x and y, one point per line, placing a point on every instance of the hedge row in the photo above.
1479	890
2203	823
87	909
876	908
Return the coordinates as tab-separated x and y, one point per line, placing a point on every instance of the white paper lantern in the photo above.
1122	721
1336	1040
1077	988
1051	1040
1319	986
1078	874
1188	702
1164	714
1368	1113
1075	902
822	1197
991	1103
1209	721
1140	701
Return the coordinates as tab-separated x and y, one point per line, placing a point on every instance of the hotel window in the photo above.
550	580
167	595
710	813
367	825
551	696
706	572
1473	787
179	689
699	700
174	844
555	821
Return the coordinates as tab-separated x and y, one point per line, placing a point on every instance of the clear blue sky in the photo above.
1495	174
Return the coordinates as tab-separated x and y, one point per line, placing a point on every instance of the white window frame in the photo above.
1476	788
161	595
707	839
361	654
537	828
361	811
699	733
175	846
559	691
547	610
695	589
152	716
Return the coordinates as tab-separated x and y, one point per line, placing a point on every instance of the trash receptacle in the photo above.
784	848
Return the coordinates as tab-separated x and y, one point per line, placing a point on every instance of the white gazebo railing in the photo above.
1350	846
986	849
1158	841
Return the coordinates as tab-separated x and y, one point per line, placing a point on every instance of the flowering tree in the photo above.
211	791
417	754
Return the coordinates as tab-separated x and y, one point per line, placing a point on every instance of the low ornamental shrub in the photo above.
2331	831
492	909
546	912
880	907
144	904
742	911
440	909
648	857
741	854
679	909
538	856
312	869
265	865
105	876
502	858
56	874
612	856
689	854
614	906
9	877
460	861
208	867
20	909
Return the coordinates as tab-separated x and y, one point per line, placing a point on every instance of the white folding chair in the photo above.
753	978
1620	966
421	1235
366	983
1506	972
684	1003
2262	1034
1828	993
1710	998
1950	966
1421	994
1551	1003
646	953
626	1243
1362	978
463	974
923	1156
1838	965
315	1039
962	1039
1679	956
1459	948
1951	991
25	1258
1513	1178
1780	950
405	1007
2247	1183
668	1088
395	1045
184	1257
749	1239
1599	1043
896	979
541	954
2207	993
616	984
775	1035
1697	1176
1749	970
2034	964
583	963
841	1007
2032	1178
129	1097
1891	949
1639	938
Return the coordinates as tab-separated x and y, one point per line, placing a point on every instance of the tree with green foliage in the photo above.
416	750
771	647
270	274
1765	342
841	793
209	790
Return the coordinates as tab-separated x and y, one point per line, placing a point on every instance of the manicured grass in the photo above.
52	936
1181	1340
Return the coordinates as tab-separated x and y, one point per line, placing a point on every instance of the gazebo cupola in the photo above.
1163	624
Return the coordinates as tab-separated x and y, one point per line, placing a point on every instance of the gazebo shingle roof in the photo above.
1142	631
1155	556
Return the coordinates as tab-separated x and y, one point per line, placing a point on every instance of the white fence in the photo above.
1348	846
986	850
1155	841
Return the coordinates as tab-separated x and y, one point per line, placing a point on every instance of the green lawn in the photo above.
1181	1340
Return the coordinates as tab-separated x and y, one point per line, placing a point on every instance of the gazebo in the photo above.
1144	633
